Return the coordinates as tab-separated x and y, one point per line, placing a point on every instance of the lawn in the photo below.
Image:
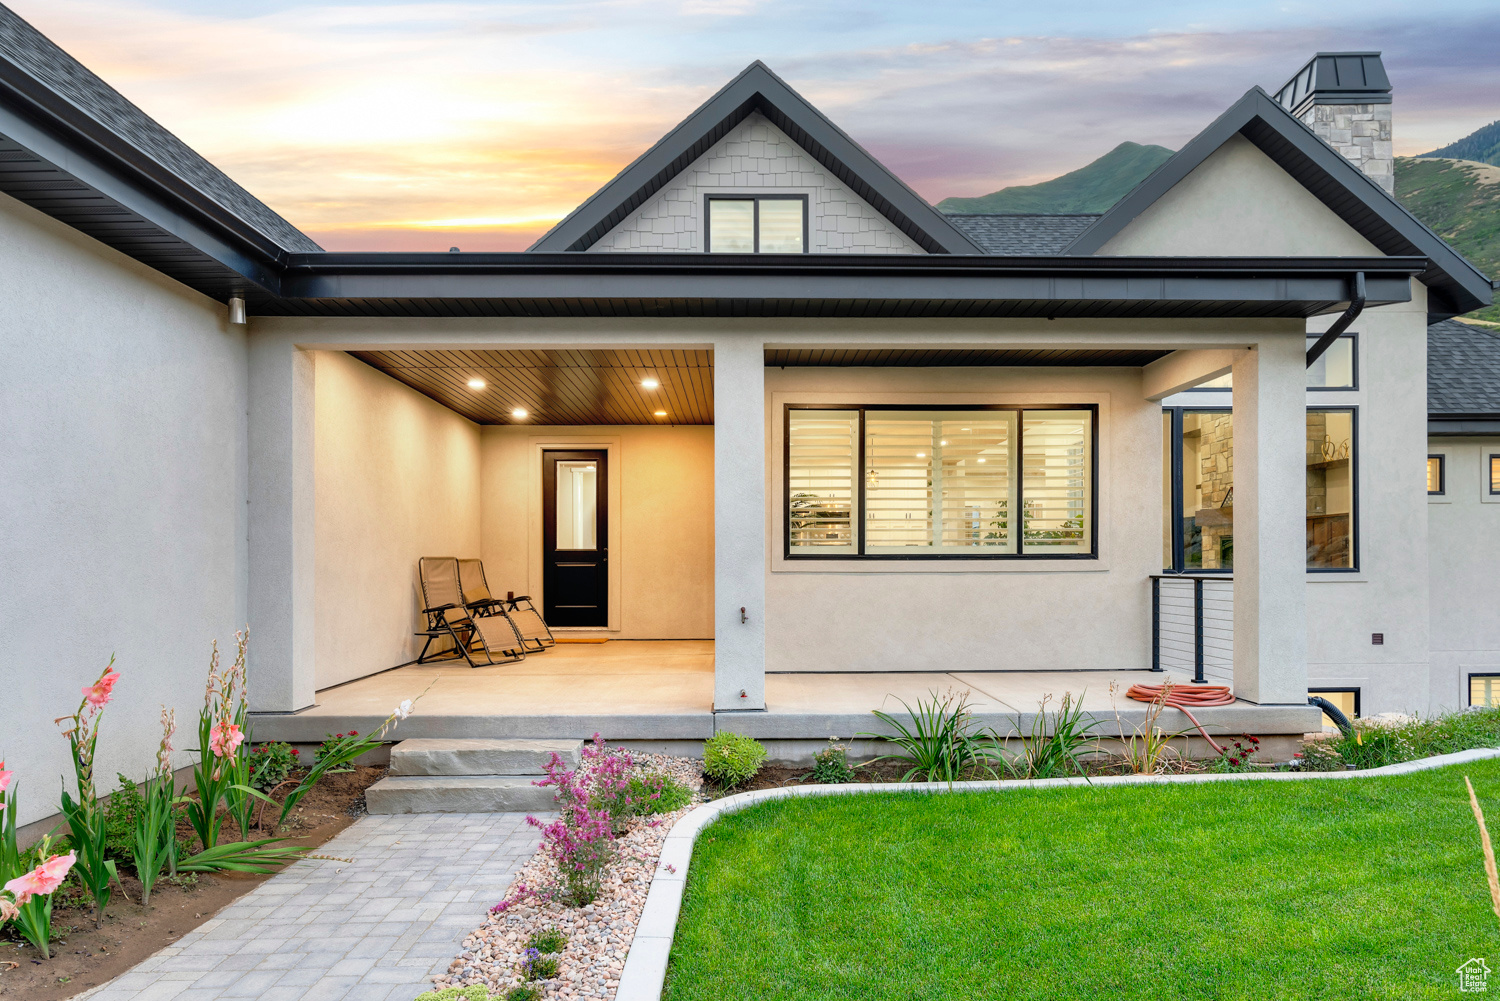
1363	888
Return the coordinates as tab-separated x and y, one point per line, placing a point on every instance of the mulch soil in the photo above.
84	956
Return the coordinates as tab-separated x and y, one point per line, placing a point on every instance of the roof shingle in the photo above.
1023	235
35	54
1463	369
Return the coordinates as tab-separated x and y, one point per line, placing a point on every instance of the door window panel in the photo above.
577	505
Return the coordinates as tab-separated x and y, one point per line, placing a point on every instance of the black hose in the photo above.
1334	713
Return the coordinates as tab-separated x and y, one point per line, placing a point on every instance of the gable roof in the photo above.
1463	370
32	67
758	89
1455	286
1023	234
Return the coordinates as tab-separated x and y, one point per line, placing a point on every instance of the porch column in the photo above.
280	669
739	524
1270	518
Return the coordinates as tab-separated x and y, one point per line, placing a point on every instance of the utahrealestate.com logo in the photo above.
1474	976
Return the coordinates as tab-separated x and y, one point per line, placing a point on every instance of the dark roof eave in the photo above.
78	147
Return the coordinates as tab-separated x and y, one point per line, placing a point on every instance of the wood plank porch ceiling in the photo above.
603	387
562	386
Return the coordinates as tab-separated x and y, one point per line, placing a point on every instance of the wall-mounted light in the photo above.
518	413
649	384
236	310
476	383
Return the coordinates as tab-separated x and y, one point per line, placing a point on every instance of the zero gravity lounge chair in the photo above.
528	622
479	639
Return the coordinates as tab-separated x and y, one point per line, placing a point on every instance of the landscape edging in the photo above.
645	970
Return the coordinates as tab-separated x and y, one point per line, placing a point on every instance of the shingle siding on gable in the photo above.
757	157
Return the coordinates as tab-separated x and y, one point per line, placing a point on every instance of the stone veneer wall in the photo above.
1362	133
757	157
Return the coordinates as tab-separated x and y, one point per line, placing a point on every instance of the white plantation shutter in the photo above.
1056	469
820	480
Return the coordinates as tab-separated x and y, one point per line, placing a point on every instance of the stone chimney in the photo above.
1345	97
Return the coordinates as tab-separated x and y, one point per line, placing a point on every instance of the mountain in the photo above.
1459	200
1481	145
1093	188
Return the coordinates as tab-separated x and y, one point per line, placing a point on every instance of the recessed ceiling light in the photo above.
921	455
981	458
518	412
649	384
476	383
661	413
943	442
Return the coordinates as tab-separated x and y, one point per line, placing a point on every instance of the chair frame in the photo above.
460	628
504	606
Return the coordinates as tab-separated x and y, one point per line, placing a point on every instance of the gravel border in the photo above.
645	971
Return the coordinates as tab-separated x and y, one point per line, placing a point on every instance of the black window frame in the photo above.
1179	554
859	473
756	198
1469	684
1322	689
1442	461
1352	336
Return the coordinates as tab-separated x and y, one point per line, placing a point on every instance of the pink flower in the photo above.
5	777
42	880
225	739
8	910
97	694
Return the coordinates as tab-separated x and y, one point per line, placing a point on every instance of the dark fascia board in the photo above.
57	132
1463	425
1318	282
757	89
1456	286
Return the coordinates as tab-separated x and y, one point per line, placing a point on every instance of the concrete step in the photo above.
458	794
442	756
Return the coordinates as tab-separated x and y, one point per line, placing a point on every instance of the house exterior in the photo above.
782	402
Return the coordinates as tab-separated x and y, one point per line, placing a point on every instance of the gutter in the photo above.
1356	306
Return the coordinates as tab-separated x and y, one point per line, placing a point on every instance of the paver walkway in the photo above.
376	929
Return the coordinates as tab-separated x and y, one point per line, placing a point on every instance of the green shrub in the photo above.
548	940
831	764
270	764
732	759
1321	756
119	821
1237	757
523	992
657	792
940	739
535	966
474	992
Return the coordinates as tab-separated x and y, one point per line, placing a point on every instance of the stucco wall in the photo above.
758	157
933	615
397	478
661	522
1239	202
1388	593
123	486
1464	535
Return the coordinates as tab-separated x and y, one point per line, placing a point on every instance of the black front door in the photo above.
575	538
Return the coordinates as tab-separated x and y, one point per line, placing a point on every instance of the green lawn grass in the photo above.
1363	888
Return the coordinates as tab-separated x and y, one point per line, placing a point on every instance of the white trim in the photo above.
645	969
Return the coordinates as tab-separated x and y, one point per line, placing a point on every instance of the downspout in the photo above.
1356	306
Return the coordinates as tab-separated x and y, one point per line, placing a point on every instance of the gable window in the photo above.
932	483
1198	489
758	224
1435	485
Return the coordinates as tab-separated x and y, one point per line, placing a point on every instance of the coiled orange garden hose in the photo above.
1183	696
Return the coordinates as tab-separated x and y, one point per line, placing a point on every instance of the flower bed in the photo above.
598	934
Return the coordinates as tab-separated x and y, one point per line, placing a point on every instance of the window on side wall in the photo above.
1495	474
1484	689
1198	475
932	483
756	224
1345	700
1436	485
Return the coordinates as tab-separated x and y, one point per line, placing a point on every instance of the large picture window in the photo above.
1198	489
911	483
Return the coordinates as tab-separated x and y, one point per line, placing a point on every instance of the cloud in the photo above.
476	124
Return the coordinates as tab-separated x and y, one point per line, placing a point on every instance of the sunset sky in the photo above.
419	126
